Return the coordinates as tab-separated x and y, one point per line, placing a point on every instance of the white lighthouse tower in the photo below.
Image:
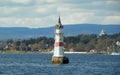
58	53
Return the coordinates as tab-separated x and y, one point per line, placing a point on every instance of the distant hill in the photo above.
69	30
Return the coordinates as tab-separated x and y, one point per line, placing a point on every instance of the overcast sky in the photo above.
44	13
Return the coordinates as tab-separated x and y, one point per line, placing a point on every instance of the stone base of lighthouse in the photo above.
60	60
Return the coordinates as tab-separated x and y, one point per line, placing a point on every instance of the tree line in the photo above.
82	42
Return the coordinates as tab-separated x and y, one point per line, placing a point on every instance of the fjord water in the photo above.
40	64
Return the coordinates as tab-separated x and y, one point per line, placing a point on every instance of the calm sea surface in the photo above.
40	64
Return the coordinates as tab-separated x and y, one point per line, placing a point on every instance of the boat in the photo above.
114	53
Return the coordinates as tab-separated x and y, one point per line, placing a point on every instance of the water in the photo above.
40	64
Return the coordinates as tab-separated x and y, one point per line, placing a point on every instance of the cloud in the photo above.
13	3
81	17
27	22
22	22
44	13
7	11
112	2
45	9
69	1
111	20
20	1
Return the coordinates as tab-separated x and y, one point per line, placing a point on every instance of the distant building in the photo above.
102	33
118	43
71	50
93	51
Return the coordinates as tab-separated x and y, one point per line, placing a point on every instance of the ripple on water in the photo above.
40	64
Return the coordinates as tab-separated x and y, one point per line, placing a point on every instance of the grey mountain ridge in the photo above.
69	30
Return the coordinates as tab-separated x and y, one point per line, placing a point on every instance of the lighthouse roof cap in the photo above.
59	24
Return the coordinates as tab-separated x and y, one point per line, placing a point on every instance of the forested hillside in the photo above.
82	42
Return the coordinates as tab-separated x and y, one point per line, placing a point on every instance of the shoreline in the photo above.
21	52
36	52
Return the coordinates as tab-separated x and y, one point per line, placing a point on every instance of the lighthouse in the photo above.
58	53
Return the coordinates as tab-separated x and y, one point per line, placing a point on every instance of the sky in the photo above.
45	13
